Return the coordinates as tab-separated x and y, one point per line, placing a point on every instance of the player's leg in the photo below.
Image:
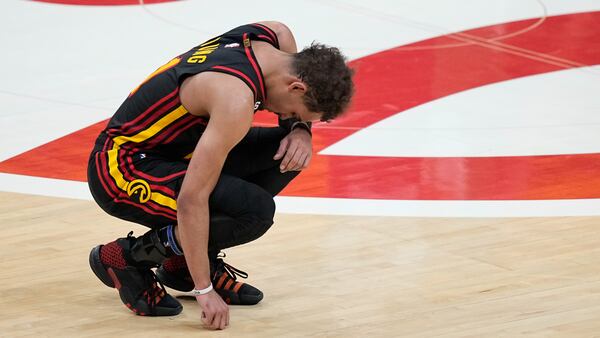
240	212
126	263
252	159
233	220
249	167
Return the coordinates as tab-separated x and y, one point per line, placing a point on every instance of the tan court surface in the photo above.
321	275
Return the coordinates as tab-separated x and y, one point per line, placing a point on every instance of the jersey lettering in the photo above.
202	53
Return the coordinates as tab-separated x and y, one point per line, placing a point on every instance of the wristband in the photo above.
197	292
303	125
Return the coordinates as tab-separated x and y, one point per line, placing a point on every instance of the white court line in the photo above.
343	206
44	186
543	114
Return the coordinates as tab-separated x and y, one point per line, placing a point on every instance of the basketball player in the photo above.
180	156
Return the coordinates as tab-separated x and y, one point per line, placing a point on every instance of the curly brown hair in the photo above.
328	78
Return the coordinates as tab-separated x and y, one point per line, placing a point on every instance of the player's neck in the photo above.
274	63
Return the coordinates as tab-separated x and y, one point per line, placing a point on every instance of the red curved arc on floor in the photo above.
103	2
396	80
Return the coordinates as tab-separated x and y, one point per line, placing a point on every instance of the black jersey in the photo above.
153	120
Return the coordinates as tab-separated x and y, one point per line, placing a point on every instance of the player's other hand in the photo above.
296	151
215	312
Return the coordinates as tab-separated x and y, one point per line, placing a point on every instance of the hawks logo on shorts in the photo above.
139	191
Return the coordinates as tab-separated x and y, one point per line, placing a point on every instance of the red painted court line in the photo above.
104	2
395	80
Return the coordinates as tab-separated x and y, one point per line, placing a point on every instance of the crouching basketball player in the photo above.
180	157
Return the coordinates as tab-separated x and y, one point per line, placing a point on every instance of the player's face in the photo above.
293	105
288	101
301	113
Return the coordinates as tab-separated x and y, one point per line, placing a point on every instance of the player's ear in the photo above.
298	87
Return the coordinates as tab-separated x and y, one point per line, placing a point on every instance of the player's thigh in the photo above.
137	187
237	197
255	152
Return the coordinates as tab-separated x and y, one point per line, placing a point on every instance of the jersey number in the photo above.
163	68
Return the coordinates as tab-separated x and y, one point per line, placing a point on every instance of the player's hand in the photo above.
297	148
215	313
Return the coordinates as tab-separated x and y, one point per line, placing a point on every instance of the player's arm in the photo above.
293	123
230	119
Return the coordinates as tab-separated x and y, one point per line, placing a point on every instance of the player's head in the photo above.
321	87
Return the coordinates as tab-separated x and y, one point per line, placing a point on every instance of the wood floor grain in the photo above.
323	276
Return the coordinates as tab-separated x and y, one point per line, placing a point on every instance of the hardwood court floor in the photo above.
322	276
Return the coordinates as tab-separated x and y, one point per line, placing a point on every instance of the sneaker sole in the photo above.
98	268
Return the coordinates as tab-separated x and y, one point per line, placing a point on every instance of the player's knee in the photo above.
265	206
264	210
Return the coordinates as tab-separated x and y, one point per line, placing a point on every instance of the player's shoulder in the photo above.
229	88
268	27
277	27
230	100
274	32
209	91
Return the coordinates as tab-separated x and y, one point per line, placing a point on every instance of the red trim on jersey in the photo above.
188	126
100	178
267	38
235	71
116	197
126	174
146	209
132	125
154	178
109	181
269	31
124	165
119	193
114	192
156	115
106	144
165	210
256	69
173	129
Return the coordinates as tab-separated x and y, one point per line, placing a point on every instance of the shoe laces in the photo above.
230	270
157	290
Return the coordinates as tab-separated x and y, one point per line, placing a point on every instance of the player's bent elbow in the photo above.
187	202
